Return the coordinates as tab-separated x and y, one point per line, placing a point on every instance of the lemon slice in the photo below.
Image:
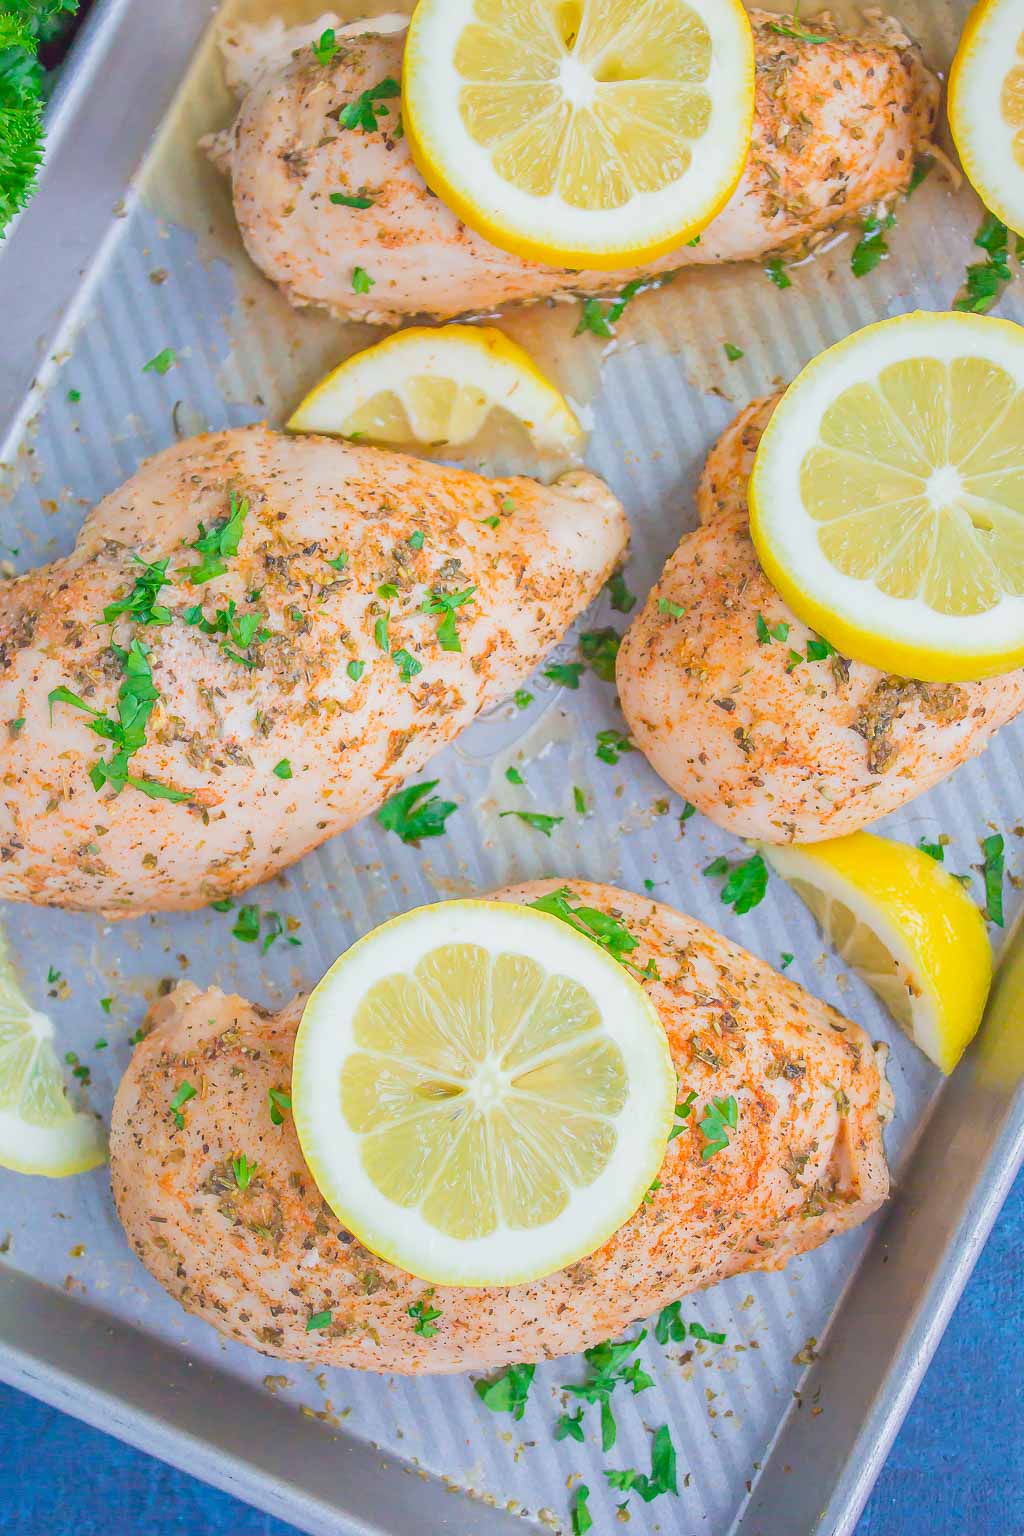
595	133
887	498
437	388
986	106
39	1130
482	1094
905	926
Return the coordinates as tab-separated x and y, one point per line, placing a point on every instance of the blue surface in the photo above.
957	1468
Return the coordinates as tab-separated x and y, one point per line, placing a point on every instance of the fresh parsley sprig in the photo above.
414	813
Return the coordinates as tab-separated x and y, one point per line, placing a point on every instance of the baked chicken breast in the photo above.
806	1161
836	127
254	642
764	739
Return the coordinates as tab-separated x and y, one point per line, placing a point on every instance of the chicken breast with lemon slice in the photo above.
836	127
805	1161
311	622
731	708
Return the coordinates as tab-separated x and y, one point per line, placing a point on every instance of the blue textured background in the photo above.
957	1468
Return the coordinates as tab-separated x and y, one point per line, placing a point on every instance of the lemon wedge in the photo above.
436	388
482	1094
40	1132
986	106
905	926
887	498
595	133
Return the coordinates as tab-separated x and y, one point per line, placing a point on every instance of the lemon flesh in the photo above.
906	927
425	387
887	498
40	1132
594	133
986	106
482	1095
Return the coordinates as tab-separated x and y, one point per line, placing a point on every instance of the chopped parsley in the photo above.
984	282
380	633
775	271
785	960
355	670
106	1003
792	27
348	200
340	561
243	631
73	396
141	605
611	743
570	1426
514	776
818	649
363	113
251	920
411	816
607	931
933	850
687	811
733	352
682	1114
765	636
424	1318
599	648
579	800
720	1116
243	1170
406	663
217	544
416	540
674	610
522	698
610	1365
508	1392
871	247
319	1321
283	769
582	1521
662	1478
992	848
136	700
622	599
534	819
445	604
599	320
362	282
567	674
162	363
278	1100
15	727
923	165
671	1328
326	46
746	884
182	1094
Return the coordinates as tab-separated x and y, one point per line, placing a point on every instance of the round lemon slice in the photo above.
40	1132
436	388
986	106
601	133
482	1094
905	926
887	498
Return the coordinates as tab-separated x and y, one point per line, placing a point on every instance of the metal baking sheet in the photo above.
128	248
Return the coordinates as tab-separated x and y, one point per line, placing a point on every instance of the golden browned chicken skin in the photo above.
767	748
343	689
836	128
806	1161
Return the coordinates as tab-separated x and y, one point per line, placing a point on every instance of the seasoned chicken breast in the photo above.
805	1161
836	127
767	741
273	666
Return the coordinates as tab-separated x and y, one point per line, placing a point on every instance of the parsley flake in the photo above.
278	1100
746	884
775	271
162	363
582	1520
283	769
992	848
522	698
445	604
536	820
182	1094
599	648
508	1392
611	743
720	1116
567	674
325	47
871	247
984	282
599	320
674	610
411	816
217	544
243	1170
362	282
424	1315
141	605
622	599
682	1114
319	1321
368	107
514	776
732	352
348	200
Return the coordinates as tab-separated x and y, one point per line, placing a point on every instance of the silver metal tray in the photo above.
128	248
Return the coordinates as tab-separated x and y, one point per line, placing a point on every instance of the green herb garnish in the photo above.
182	1094
446	603
611	743
732	352
141	604
747	882
363	113
243	1170
671	1328
319	1321
514	776
992	848
362	282
607	931
984	282
765	635
871	248
522	698
599	648
600	321
217	544
355	670
581	1517
674	610
622	599
609	1365
411	816
567	674
785	960
682	1114
775	271
283	769
720	1116
326	46
347	200
278	1100
570	1425
536	820
162	363
424	1316
508	1392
